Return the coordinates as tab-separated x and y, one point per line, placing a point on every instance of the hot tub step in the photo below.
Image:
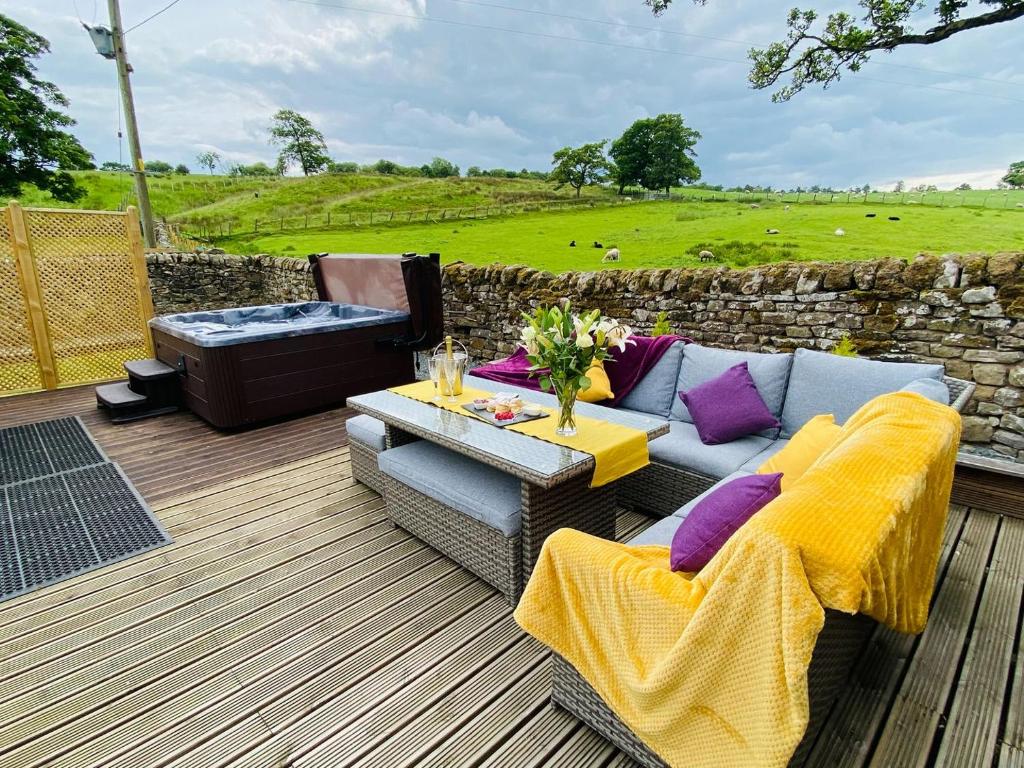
125	404
148	370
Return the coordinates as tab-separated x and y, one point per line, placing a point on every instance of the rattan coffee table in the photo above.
555	479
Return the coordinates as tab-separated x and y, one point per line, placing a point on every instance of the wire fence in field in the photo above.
208	229
992	199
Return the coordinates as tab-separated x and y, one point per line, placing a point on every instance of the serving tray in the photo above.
487	416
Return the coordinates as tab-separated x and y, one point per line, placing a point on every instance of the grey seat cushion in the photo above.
682	447
655	392
933	389
478	491
751	465
663	530
825	383
367	430
700	364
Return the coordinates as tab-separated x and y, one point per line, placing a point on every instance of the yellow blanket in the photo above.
711	669
617	450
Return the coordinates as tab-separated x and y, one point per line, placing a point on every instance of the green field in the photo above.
376	213
671	234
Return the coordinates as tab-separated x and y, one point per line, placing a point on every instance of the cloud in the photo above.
495	87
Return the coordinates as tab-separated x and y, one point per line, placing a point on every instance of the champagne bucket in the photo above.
461	358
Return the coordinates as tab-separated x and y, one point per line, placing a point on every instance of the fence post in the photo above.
33	293
138	257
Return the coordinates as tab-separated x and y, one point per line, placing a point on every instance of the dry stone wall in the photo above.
185	282
966	312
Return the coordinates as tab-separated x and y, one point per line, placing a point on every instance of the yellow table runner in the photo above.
617	450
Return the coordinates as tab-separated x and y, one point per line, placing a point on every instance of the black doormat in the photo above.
62	523
46	448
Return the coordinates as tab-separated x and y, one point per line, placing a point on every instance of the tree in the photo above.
655	152
1015	176
256	169
181	169
208	160
300	141
110	165
579	166
439	168
349	167
385	167
34	148
474	171
900	187
965	187
158	166
811	54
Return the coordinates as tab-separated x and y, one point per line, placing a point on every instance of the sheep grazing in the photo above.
894	218
771	231
840	232
1020	205
706	256
572	243
754	205
598	245
612	255
787	208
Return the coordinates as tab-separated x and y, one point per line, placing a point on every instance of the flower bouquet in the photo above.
563	347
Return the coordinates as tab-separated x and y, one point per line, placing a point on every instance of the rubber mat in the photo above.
65	523
46	448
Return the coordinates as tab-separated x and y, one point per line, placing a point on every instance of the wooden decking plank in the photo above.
316	468
364	706
162	581
584	747
237	528
906	739
1011	740
849	733
370	712
35	665
972	727
204	668
226	637
429	734
171	732
537	741
492	726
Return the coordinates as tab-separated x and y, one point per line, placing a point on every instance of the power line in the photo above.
607	44
150	18
676	33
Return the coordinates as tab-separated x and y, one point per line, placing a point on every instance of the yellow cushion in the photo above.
600	387
804	448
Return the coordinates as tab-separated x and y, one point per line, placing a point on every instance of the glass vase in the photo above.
566	395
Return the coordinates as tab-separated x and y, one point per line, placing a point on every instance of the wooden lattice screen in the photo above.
74	296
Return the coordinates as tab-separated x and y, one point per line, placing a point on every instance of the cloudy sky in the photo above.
505	82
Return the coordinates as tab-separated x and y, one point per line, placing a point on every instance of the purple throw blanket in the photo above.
625	369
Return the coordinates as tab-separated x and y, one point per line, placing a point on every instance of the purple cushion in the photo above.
718	516
728	407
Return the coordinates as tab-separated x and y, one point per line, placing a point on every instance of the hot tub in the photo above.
242	366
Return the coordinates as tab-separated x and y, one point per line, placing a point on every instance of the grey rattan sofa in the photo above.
795	388
367	438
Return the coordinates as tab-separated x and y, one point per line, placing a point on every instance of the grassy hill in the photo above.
372	212
671	234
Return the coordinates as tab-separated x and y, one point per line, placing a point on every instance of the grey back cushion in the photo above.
825	383
655	392
933	389
700	364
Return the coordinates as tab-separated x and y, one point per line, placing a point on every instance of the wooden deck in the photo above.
290	625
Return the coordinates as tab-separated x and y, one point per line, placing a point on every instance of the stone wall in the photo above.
962	311
966	312
185	282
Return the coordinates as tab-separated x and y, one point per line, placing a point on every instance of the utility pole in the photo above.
138	168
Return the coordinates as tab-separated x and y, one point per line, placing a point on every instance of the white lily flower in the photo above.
584	340
529	334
